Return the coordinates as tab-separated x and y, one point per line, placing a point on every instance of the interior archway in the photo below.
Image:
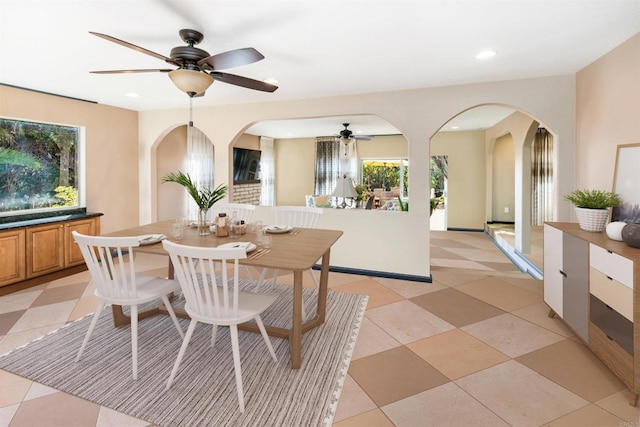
171	155
504	207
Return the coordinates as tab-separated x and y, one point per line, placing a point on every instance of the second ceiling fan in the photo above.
197	70
347	134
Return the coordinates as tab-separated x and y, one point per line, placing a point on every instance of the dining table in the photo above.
296	250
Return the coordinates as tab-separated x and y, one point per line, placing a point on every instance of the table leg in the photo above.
324	286
295	337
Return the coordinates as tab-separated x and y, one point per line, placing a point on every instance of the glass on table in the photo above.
176	230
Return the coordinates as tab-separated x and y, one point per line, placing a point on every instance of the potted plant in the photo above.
363	195
592	207
204	197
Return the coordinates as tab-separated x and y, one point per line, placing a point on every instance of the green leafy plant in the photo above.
68	195
404	206
363	193
434	203
593	199
204	197
13	157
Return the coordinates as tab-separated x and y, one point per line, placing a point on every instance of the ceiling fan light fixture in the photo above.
191	82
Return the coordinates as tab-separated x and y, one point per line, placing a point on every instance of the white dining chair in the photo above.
293	216
117	283
243	211
214	298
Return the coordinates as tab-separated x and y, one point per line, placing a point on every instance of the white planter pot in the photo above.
592	219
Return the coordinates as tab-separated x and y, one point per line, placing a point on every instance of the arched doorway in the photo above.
492	164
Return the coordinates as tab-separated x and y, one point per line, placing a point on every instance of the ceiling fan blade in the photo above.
232	58
243	82
150	70
134	47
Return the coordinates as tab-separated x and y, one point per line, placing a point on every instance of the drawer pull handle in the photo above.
609	251
610	339
563	273
608	307
608	277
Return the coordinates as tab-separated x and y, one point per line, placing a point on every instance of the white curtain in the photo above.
349	160
267	172
199	164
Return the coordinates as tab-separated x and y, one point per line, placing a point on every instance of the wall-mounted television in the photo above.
246	166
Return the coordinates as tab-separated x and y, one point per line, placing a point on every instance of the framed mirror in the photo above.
626	182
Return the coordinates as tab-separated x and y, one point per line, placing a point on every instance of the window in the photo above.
387	174
39	167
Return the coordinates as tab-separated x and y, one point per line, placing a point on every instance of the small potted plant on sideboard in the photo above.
592	207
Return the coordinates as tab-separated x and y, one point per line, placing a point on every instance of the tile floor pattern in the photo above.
473	348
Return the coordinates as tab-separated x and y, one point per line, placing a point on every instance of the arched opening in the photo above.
502	166
175	152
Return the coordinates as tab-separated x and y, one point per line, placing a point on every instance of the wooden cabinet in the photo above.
32	254
72	254
12	254
612	300
45	249
566	281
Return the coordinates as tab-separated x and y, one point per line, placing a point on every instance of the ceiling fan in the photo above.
347	134
197	70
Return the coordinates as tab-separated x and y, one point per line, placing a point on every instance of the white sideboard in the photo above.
593	284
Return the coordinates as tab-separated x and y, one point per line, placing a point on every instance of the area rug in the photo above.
204	391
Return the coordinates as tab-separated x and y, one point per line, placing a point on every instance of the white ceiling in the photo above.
315	48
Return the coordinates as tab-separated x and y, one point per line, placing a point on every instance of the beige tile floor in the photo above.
473	348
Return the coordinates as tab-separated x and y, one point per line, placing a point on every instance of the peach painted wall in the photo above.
607	113
111	151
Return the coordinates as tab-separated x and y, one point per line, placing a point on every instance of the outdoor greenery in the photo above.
593	199
35	159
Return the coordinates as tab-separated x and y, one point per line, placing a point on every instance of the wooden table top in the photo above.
298	250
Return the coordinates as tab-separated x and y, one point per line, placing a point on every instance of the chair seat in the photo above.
250	304
148	288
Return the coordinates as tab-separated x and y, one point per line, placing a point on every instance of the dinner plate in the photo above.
151	239
278	229
247	245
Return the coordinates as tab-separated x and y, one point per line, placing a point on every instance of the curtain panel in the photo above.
267	172
327	169
542	178
199	164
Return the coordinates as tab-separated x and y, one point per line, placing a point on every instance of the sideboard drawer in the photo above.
614	356
612	293
612	265
616	327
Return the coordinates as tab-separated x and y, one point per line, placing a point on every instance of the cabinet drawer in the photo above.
612	293
617	359
612	265
613	324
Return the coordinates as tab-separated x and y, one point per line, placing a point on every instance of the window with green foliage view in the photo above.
38	166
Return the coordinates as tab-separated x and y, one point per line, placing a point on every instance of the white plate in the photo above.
247	245
151	239
278	229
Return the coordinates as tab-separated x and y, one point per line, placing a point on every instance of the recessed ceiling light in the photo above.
271	81
132	95
486	54
455	127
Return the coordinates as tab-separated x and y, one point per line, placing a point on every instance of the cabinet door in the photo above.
575	292
553	273
12	266
72	254
45	249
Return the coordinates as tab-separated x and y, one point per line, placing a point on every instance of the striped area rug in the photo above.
204	391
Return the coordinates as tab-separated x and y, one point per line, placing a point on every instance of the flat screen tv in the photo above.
246	166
